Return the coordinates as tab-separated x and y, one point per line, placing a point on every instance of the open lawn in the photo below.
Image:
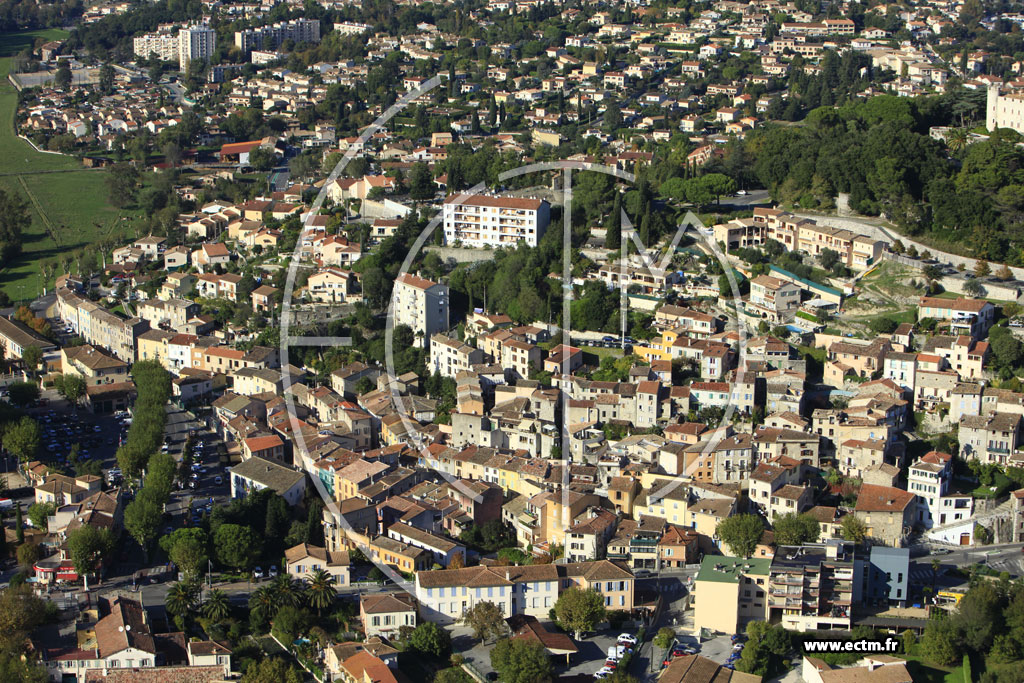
922	670
68	203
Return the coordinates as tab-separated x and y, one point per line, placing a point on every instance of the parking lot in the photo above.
592	655
63	426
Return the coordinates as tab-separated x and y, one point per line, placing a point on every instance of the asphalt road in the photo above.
746	201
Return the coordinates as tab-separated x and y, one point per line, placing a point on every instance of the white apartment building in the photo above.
271	37
422	305
930	478
450	356
487	221
163	45
195	42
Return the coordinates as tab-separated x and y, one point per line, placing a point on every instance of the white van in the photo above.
616	652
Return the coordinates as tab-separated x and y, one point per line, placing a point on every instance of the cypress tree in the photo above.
19	527
613	239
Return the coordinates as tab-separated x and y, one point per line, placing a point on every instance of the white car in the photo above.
605	671
627	639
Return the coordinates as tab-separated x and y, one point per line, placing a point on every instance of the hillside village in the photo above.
454	340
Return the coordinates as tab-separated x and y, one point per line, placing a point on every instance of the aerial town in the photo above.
512	341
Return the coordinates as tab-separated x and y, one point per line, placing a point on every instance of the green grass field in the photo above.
68	203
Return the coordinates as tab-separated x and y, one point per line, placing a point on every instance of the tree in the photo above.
14	220
31	356
1004	273
160	473
122	184
979	616
853	529
321	590
62	79
612	119
717	185
982	268
107	78
262	159
88	546
613	237
13	667
73	388
235	545
39	514
1006	648
272	670
21	611
186	548
180	599
828	258
454	674
665	638
431	639
741	533
23	393
972	288
19	526
23	439
263	603
142	519
216	606
941	641
520	661
580	610
28	554
794	529
288	591
486	620
883	325
290	622
421	185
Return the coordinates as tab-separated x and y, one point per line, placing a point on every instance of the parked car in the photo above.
627	639
257	573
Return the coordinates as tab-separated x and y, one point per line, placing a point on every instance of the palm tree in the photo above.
935	570
180	599
287	590
321	590
264	602
216	605
957	139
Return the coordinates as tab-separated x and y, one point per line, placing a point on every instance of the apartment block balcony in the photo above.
788	603
787	580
